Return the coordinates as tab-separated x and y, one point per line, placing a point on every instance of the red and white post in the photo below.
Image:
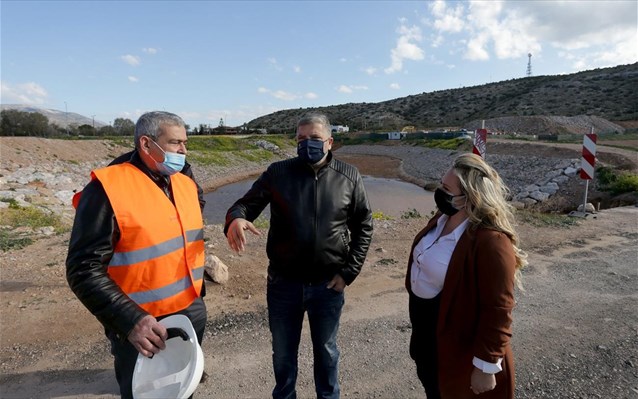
480	141
588	162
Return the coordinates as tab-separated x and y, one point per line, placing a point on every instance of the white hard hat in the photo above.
175	371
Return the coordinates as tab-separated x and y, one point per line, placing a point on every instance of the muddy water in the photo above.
391	197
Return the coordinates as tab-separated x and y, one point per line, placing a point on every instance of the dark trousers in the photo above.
423	316
125	354
287	302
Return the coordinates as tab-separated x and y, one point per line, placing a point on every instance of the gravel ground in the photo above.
575	331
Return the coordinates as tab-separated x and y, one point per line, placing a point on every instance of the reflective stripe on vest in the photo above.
140	255
159	260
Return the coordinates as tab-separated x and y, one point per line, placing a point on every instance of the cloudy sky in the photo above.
238	60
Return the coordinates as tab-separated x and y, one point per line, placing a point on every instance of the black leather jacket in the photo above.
321	222
93	239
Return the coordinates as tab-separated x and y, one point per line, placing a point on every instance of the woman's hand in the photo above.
482	382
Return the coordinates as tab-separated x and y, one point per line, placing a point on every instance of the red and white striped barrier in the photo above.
480	142
589	157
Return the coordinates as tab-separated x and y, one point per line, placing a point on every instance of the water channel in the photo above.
390	196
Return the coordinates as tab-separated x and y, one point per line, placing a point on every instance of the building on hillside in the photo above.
396	135
339	129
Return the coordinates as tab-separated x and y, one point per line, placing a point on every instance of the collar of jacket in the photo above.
322	167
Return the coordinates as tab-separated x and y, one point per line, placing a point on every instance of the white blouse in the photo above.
431	257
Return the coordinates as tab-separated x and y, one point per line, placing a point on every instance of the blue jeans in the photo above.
287	302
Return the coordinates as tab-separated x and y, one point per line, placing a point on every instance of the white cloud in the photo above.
343	59
23	93
506	31
406	48
350	88
279	94
311	96
370	71
476	48
132	60
133	79
597	33
149	50
296	68
395	86
234	117
447	19
284	95
273	63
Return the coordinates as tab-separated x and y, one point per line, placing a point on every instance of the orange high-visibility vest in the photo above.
159	259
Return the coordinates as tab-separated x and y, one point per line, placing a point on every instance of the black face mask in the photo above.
311	150
444	202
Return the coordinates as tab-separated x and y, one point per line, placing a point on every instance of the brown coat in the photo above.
475	316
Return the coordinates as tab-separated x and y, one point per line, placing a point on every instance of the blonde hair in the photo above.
487	205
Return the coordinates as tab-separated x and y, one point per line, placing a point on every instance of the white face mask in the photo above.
173	162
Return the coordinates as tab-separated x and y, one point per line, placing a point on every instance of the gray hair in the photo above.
150	124
319	119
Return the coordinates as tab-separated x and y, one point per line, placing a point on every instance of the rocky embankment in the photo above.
50	181
49	173
531	179
532	125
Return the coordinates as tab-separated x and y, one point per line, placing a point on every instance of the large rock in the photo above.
217	270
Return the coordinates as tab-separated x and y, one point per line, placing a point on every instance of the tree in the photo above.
86	130
124	127
107	130
20	123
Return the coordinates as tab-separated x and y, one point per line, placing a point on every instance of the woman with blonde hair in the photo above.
461	274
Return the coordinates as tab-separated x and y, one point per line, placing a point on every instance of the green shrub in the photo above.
7	241
262	222
616	183
605	175
625	183
411	214
209	158
378	215
17	216
538	219
257	155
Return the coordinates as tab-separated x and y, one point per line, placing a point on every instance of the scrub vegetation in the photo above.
538	219
378	215
616	183
19	221
224	150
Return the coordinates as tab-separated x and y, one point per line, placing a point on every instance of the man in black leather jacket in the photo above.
129	328
320	231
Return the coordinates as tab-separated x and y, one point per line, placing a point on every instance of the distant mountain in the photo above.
60	118
608	93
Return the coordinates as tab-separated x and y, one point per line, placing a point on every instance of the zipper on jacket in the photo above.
314	228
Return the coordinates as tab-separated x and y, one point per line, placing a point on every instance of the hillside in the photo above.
605	93
60	118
